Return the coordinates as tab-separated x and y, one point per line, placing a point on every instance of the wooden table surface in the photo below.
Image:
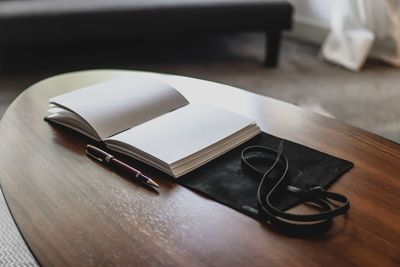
73	212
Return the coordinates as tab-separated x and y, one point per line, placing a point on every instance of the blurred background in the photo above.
332	61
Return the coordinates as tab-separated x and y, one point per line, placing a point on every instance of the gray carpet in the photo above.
368	100
13	251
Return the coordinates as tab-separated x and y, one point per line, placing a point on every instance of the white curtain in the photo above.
361	29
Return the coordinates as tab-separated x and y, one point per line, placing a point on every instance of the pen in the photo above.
103	157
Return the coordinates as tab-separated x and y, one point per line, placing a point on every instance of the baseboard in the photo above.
309	30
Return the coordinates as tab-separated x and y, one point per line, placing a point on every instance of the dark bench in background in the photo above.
36	21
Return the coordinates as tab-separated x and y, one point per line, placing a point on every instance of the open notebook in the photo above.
150	121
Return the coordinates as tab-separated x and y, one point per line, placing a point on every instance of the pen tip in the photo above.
152	183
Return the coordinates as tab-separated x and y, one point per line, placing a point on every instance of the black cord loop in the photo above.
331	204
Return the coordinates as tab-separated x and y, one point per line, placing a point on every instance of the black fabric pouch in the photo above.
226	181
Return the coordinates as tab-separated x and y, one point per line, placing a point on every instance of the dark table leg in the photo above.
272	43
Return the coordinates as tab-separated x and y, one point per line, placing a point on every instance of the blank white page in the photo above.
182	132
114	106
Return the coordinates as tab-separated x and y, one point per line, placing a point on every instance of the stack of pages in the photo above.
150	121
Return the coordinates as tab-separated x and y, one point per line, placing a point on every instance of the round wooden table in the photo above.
72	212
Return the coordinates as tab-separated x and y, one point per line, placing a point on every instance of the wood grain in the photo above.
74	212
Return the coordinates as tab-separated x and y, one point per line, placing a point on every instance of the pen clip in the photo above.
93	156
